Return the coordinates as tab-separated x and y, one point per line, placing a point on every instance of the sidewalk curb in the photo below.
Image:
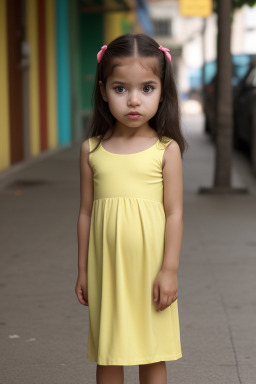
8	175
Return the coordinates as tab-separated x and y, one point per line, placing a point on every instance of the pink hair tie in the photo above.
101	53
166	51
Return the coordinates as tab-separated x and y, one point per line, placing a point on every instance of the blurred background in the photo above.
47	67
48	61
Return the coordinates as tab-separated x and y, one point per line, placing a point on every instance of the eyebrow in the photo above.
144	83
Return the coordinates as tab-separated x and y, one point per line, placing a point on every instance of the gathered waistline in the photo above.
128	197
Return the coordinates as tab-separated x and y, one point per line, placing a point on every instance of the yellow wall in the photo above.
4	94
112	26
51	74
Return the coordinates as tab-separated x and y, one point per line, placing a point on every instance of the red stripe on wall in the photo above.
42	73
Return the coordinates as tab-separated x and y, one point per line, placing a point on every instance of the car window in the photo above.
251	79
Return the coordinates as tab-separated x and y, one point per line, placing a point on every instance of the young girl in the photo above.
130	222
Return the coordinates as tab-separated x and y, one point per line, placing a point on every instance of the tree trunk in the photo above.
224	107
203	66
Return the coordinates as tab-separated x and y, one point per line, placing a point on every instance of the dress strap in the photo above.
162	145
93	141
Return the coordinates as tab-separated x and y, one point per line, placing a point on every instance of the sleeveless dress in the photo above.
125	254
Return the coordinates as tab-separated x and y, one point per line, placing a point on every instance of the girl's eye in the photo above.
120	89
148	88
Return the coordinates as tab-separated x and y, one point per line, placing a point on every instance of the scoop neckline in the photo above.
129	154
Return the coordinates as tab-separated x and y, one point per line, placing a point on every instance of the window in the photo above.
162	27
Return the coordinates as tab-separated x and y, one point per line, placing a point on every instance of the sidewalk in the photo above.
43	328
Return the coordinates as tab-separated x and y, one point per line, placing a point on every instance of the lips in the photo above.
134	113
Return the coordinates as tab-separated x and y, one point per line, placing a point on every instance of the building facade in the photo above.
47	68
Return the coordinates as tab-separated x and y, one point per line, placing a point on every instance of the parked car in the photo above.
244	106
240	66
209	102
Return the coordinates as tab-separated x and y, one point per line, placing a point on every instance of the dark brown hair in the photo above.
166	121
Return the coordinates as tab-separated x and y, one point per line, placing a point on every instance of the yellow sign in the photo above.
201	8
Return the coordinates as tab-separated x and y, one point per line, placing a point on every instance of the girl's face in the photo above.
132	91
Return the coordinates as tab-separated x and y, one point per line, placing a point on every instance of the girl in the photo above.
130	222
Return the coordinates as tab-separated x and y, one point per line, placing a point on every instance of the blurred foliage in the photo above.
235	4
240	3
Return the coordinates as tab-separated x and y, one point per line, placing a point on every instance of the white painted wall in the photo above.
187	34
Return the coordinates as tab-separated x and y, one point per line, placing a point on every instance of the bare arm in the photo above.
166	284
84	221
173	205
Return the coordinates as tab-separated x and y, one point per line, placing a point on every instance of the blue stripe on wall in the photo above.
63	72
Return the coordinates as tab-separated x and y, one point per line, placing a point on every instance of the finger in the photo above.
170	301
173	300
167	303
80	297
81	300
86	300
162	301
85	297
85	294
155	293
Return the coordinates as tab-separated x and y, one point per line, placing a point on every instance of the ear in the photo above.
103	91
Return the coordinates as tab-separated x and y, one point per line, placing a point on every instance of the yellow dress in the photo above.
125	254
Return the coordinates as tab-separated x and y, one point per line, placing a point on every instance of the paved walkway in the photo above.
43	328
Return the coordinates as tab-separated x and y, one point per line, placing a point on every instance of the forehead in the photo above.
135	67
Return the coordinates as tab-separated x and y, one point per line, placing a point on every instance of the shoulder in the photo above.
88	144
172	153
84	152
85	147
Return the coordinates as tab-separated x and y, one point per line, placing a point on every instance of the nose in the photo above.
134	99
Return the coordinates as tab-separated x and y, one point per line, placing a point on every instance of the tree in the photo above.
224	104
240	3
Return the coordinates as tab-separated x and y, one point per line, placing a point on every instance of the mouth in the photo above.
133	115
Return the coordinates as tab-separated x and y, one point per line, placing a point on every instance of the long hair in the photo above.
166	121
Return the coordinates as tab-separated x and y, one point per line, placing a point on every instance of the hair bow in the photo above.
166	51
101	53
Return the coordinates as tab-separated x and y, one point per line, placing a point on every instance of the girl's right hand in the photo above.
82	289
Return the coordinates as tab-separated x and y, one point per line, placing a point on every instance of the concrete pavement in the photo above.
43	328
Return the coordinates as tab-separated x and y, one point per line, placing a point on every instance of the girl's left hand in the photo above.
165	288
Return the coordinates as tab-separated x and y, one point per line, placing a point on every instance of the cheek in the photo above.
115	106
155	101
116	102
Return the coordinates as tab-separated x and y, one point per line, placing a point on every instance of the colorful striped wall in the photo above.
55	71
42	37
